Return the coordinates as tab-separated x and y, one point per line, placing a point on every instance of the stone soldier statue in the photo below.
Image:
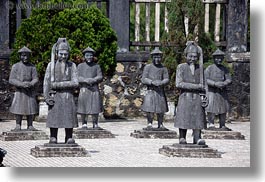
89	100
155	76
60	81
24	77
190	114
217	78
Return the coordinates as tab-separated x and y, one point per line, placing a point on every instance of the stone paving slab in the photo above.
126	151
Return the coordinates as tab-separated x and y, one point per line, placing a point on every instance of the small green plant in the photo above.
82	28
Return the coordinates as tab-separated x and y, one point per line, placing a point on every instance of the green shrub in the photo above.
82	28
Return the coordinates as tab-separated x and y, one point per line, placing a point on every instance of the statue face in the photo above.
157	58
89	57
218	59
24	57
191	57
63	55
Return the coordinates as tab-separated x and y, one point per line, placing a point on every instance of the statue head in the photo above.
156	55
63	49
192	52
89	54
218	57
24	54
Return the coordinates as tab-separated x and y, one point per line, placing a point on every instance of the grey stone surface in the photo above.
126	151
154	133
4	25
92	133
59	150
189	150
230	135
119	14
237	26
23	135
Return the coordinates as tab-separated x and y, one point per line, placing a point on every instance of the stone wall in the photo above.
123	92
239	90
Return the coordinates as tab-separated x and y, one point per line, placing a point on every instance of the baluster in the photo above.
137	23
206	18
147	24
157	22
217	23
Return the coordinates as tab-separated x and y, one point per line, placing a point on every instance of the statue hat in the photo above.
24	49
89	49
192	47
156	51
62	44
218	52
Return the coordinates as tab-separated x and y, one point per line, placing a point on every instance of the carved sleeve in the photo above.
98	78
73	83
35	78
145	80
181	84
228	78
207	77
13	77
165	77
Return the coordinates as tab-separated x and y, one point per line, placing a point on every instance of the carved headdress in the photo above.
89	49
192	47
24	49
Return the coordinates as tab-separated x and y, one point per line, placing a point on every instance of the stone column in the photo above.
119	14
239	58
4	24
237	26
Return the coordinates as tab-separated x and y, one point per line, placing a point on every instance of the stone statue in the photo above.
155	76
217	78
60	81
24	77
89	100
190	113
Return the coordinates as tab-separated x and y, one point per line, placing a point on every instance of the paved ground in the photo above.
126	151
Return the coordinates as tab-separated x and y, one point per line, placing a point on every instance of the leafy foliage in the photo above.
82	28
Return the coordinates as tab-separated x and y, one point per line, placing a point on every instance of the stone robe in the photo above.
190	114
63	113
89	100
218	98
155	99
24	102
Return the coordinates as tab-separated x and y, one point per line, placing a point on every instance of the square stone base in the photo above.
189	150
162	133
59	150
92	133
23	135
223	135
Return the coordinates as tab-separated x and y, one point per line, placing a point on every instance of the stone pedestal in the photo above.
223	134
59	150
189	150
92	133
23	135
43	110
162	133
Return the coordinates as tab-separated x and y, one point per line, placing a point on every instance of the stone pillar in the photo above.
237	55
4	25
237	26
119	14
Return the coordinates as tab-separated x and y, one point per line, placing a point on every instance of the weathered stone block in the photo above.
59	150
154	133
23	135
189	150
223	135
91	133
